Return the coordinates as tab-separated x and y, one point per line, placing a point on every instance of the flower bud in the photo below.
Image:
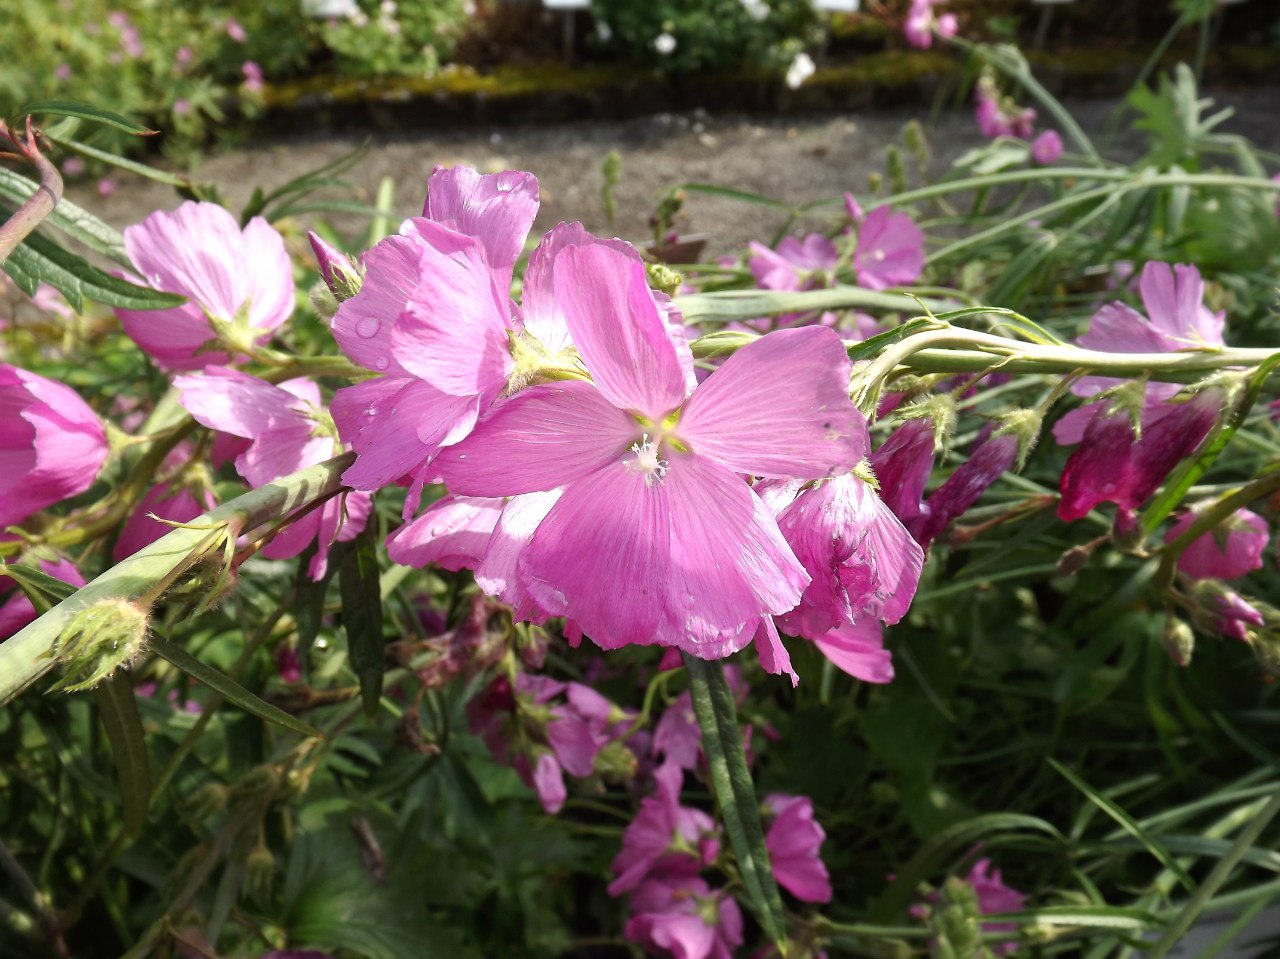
260	872
101	638
1178	640
343	277
895	169
205	802
662	278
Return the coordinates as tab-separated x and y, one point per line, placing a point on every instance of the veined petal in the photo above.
1119	328
543	314
618	329
779	407
362	325
452	332
497	209
543	437
774	657
239	404
498	572
858	649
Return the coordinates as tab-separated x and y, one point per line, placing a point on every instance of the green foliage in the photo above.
680	38
410	38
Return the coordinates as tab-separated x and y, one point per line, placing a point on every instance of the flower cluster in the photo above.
999	116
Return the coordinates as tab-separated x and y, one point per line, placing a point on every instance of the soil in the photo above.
797	162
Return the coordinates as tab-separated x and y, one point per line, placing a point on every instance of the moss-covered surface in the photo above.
556	92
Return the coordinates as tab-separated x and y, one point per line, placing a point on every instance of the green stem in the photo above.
735	794
1215	880
28	654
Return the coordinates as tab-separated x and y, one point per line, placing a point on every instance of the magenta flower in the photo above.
902	466
173	501
1112	465
253	77
965	486
665	838
288	430
1229	551
16	611
235	31
650	478
861	560
1046	149
890	250
995	897
858	649
452	533
239	284
793	841
52	445
922	22
999	116
682	916
1230	613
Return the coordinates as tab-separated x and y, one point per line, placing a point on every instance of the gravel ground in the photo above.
796	161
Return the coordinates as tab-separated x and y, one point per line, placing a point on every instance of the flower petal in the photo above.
498	209
541	438
779	407
618	330
453	534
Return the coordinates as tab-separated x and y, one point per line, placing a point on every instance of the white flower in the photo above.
801	69
756	9
664	43
604	31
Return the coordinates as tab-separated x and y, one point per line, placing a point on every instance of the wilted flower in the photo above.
239	284
52	445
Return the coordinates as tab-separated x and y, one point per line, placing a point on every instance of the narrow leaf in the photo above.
77	222
118	710
1101	917
1127	823
872	345
39	260
729	305
44	591
228	687
87	111
362	615
735	794
160	176
730	194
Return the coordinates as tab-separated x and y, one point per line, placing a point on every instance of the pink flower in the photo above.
650	478
682	916
890	250
665	838
52	445
793	265
62	72
861	560
131	41
995	897
1229	551
793	841
452	533
253	79
184	56
1231	614
106	187
172	501
288	431
921	23
242	279
999	116
16	611
73	167
235	31
433	317
858	649
1046	149
288	663
181	106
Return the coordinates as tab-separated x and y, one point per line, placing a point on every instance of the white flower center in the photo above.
646	461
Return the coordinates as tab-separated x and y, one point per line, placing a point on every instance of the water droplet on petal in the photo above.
381	363
368	327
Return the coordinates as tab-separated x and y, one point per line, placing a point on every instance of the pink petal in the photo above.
452	331
1174	298
394	424
858	649
965	486
774	657
452	533
618	329
1119	328
548	783
1232	550
497	573
498	209
362	326
779	407
574	744
902	466
239	404
166	501
890	250
541	438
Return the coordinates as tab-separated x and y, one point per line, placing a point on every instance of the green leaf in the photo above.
229	688
362	615
160	176
873	345
87	111
37	259
44	591
1127	823
118	710
730	194
735	794
76	222
732	305
1100	917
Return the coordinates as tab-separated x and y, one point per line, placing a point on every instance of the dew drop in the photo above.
380	364
368	327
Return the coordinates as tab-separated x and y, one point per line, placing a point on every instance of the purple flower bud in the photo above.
965	486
